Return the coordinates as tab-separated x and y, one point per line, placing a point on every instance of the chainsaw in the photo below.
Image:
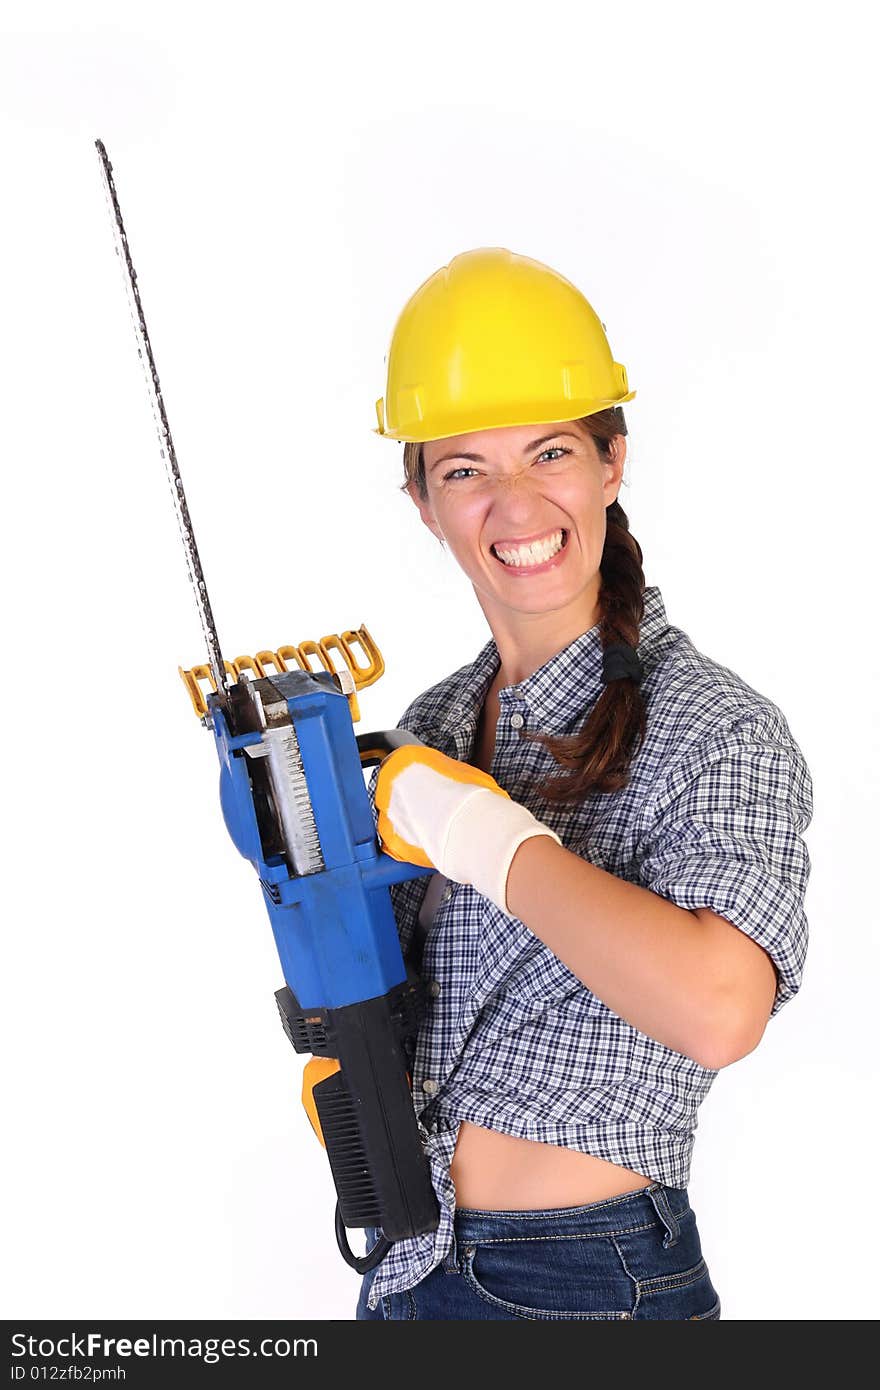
294	801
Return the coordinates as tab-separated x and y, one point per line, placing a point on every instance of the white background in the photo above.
288	176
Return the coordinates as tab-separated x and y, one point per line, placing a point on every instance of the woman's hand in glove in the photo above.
442	813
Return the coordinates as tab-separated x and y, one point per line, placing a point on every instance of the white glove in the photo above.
437	811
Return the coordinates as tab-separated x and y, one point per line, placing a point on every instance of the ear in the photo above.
613	469
425	511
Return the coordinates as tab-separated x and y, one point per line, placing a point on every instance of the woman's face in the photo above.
510	486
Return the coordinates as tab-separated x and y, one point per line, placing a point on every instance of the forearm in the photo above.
653	963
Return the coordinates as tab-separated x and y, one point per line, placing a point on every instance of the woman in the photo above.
615	820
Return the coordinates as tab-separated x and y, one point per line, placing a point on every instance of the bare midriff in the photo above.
498	1172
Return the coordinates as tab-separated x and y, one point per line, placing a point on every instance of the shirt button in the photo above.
516	721
430	1087
447	892
434	987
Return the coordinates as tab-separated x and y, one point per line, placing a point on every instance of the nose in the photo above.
518	497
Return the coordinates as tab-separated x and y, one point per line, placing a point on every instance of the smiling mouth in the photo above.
535	555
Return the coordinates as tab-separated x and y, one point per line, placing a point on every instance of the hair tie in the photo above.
620	662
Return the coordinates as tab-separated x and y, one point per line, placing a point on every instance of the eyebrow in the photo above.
478	458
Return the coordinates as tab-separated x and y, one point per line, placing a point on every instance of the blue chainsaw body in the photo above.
335	929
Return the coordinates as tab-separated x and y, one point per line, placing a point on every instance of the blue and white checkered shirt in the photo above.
711	816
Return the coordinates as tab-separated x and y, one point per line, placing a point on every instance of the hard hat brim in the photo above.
502	417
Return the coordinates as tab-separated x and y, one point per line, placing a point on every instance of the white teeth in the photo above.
535	554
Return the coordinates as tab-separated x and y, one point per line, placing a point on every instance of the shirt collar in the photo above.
558	691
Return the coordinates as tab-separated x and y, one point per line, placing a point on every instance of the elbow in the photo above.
742	984
725	1053
740	1011
730	1041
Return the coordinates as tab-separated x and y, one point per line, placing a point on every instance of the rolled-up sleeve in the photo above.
725	832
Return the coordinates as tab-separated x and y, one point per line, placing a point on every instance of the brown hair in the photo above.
598	756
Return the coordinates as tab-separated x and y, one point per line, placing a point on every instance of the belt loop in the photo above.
450	1259
657	1193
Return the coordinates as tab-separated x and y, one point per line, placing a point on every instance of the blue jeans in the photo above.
634	1256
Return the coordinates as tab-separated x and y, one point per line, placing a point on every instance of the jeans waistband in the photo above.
631	1209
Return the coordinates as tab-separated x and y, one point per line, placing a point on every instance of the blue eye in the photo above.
554	449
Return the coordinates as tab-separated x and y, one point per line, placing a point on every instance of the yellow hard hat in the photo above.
495	339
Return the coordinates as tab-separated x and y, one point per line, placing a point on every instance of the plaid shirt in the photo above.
711	816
